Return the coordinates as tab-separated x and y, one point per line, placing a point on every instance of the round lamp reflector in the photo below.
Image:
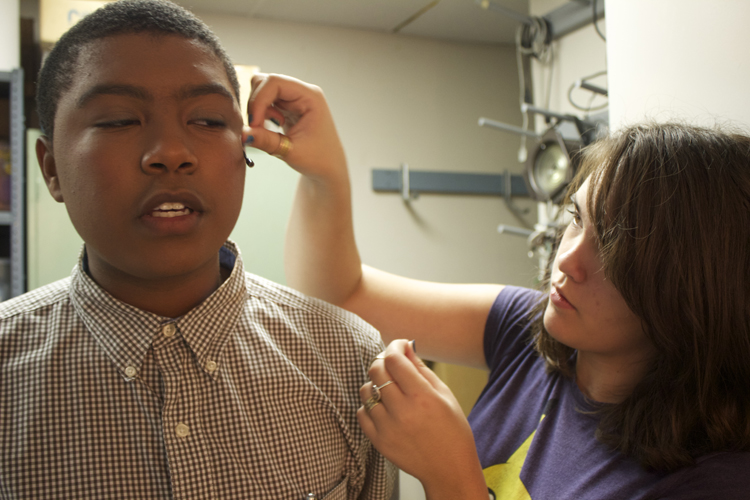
551	169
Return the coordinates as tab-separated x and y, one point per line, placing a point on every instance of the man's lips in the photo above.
171	209
168	205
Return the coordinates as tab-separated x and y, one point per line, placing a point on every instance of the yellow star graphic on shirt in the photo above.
504	480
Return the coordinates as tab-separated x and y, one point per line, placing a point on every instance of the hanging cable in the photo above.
522	152
588	109
535	36
531	41
596	24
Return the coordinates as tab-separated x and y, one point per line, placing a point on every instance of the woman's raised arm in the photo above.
321	257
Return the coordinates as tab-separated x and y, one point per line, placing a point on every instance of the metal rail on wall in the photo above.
411	183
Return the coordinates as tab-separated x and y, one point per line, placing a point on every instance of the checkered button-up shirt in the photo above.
252	394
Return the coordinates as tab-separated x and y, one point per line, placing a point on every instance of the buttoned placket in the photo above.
190	464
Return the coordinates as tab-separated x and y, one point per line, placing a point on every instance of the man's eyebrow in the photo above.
113	89
187	92
191	91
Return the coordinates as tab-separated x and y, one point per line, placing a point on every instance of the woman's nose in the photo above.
572	258
169	150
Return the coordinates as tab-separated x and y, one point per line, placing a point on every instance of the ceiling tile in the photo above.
461	20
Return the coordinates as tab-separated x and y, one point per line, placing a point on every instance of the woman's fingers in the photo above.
399	374
381	386
406	369
421	367
312	146
398	392
272	98
268	141
282	98
416	423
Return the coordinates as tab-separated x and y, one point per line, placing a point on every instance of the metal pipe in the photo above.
518	231
593	88
529	108
488	5
486	122
571	16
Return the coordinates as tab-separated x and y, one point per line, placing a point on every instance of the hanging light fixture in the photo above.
551	166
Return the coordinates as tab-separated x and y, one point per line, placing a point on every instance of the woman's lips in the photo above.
559	300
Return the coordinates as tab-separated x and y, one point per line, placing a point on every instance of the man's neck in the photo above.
171	297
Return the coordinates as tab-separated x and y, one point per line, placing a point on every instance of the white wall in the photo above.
400	99
10	35
679	59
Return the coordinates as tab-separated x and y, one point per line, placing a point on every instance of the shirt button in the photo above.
182	430
211	366
168	330
131	371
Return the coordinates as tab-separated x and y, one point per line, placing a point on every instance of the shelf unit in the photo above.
11	88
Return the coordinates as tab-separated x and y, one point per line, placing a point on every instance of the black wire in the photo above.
596	25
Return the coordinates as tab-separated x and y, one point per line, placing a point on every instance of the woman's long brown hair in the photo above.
671	208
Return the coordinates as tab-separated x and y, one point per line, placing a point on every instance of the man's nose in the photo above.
169	149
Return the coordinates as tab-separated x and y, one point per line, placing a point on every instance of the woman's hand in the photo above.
320	254
420	427
302	112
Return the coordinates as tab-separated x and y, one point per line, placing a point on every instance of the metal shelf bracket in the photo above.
411	183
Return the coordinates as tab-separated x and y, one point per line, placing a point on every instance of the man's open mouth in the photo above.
171	209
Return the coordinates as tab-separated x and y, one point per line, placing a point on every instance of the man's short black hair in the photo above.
117	18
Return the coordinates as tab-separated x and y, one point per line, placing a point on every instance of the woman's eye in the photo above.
576	216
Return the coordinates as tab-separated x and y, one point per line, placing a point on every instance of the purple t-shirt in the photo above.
535	431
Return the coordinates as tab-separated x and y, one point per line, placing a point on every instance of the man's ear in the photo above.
46	158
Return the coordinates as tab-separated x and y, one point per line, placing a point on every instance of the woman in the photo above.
627	378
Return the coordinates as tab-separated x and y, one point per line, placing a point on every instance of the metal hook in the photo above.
406	193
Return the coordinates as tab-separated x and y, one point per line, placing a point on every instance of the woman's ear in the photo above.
46	158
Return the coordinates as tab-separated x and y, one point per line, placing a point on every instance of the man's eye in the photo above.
209	122
117	123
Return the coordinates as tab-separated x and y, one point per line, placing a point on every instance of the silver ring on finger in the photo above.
379	356
376	389
371	403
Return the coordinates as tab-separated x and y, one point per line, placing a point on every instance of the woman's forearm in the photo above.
321	257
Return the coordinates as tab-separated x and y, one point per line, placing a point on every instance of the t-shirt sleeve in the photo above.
507	333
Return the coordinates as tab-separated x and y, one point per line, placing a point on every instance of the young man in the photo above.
160	368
